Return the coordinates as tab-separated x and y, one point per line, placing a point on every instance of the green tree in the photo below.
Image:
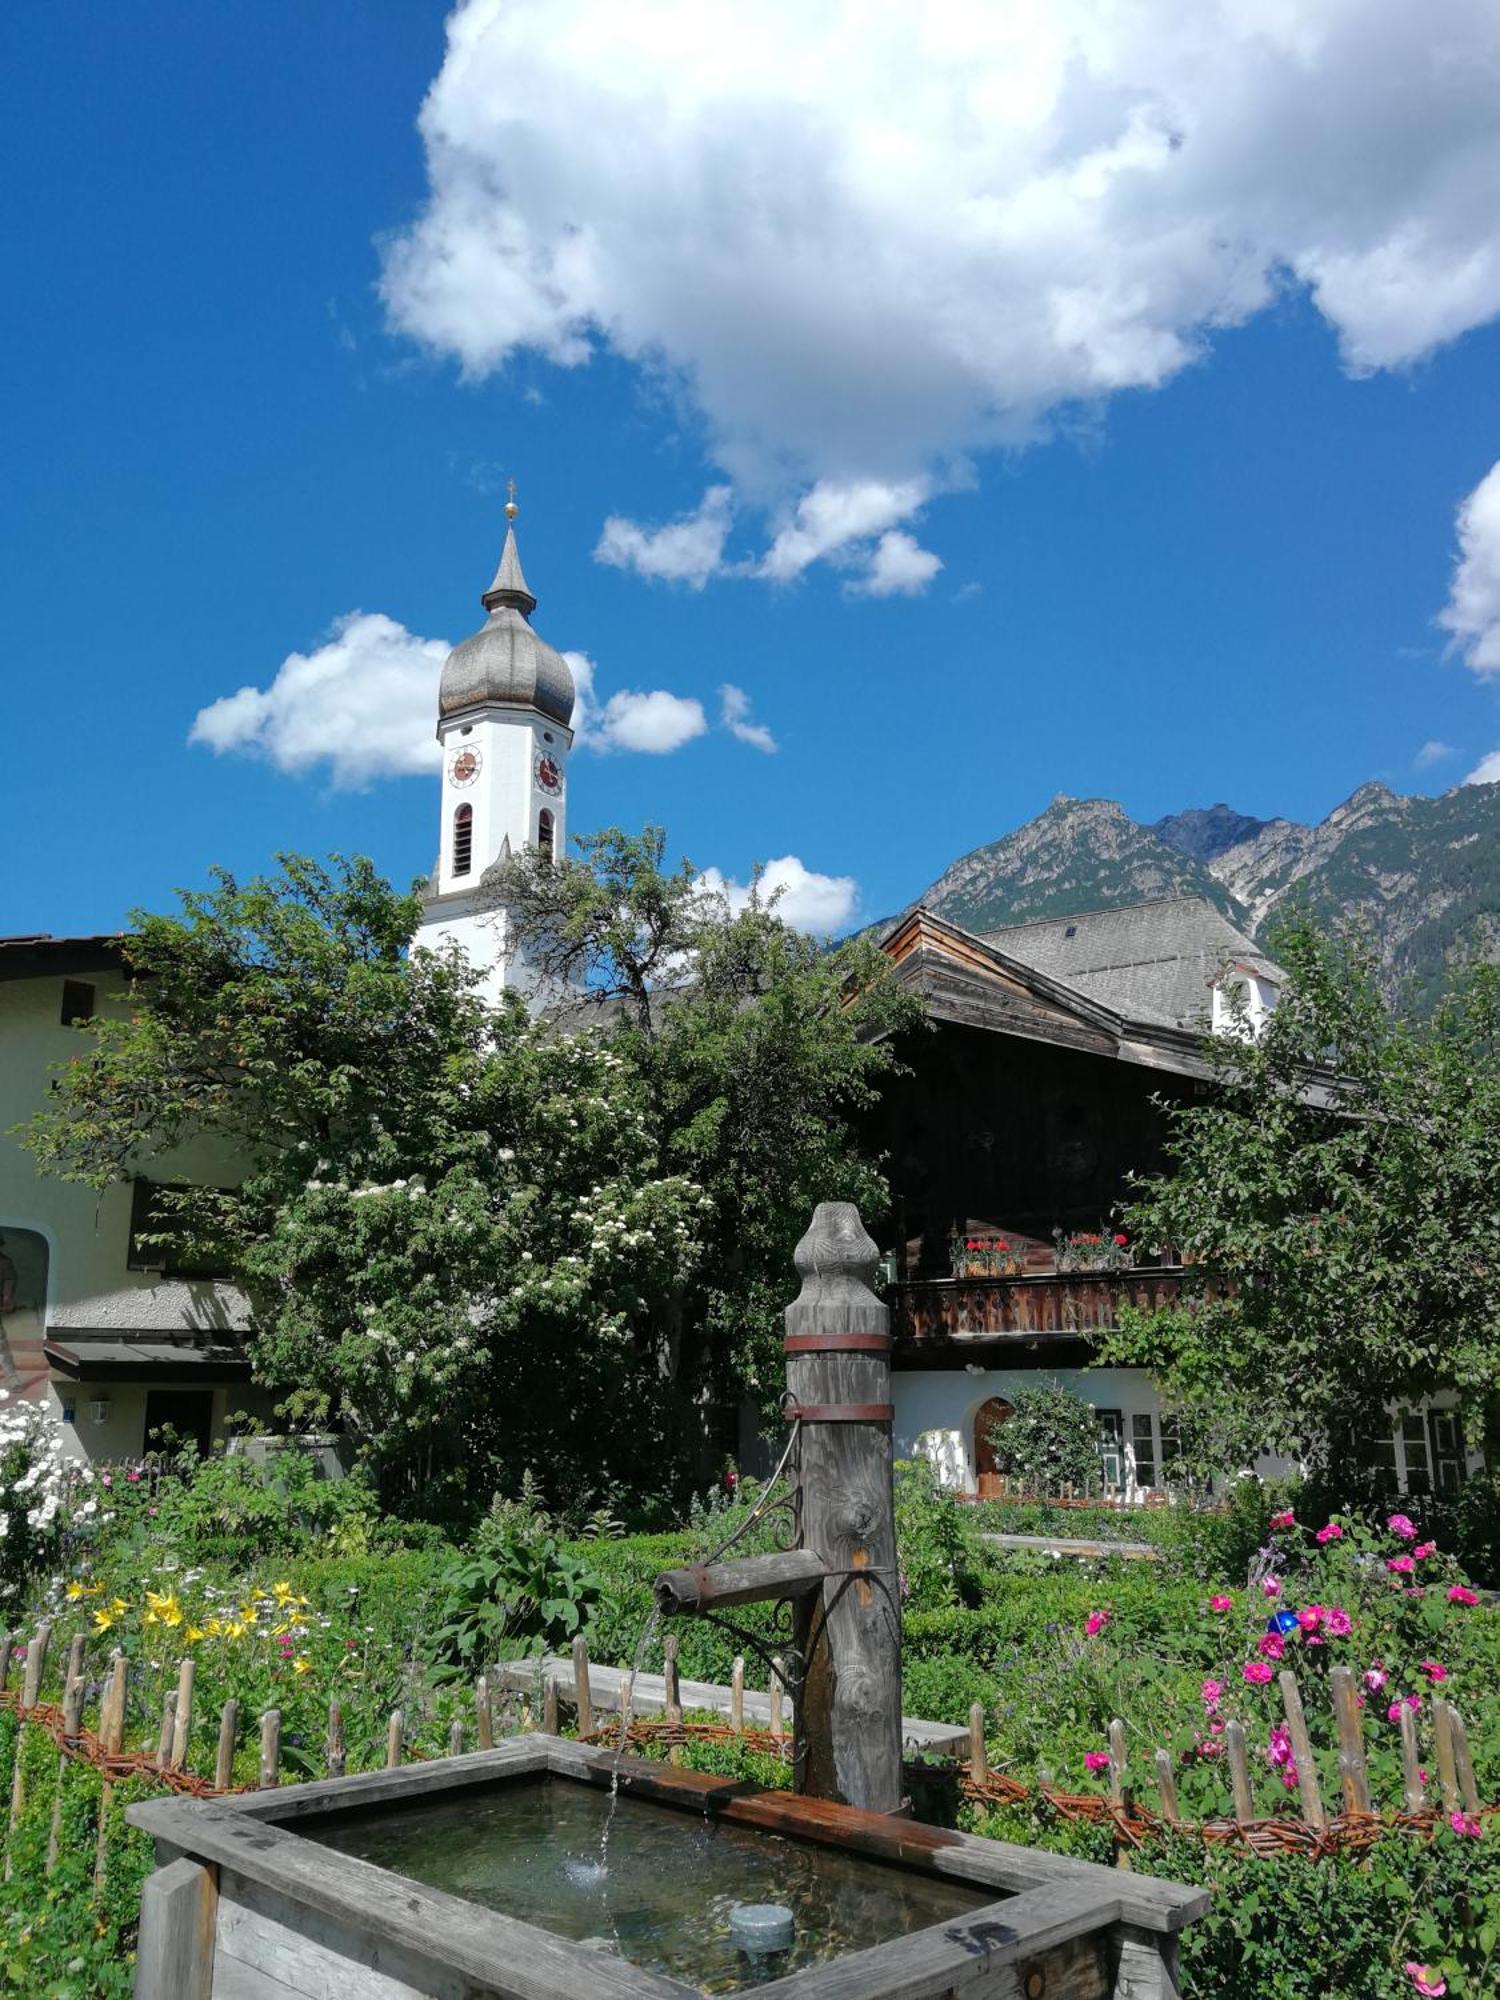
756	1047
1338	1195
452	1222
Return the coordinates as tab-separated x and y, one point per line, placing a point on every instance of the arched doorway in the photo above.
988	1417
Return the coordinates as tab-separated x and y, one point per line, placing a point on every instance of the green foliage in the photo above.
1343	1928
942	1559
756	1049
1338	1194
521	1596
1049	1441
442	1210
229	1509
59	1936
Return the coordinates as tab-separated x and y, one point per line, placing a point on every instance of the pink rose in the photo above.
1096	1760
1428	1981
1414	1701
1270	1587
1400	1525
1393	1713
1095	1623
1210	1749
1256	1672
1462	1823
1459	1594
1424	1549
1221	1604
1271	1645
1310	1617
1332	1533
1434	1670
1403	1565
1284	1520
1279	1748
1338	1622
1211	1691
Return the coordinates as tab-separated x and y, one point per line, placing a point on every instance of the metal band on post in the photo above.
842	1413
836	1343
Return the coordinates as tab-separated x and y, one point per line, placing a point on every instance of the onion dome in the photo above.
505	662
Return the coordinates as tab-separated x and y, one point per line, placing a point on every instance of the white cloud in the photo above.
835	516
688	550
656	722
802	898
899	567
365	704
734	715
1472	613
862	241
1433	752
1486	771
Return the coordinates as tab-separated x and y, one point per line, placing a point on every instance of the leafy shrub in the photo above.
522	1595
941	1556
1340	1928
1050	1440
228	1508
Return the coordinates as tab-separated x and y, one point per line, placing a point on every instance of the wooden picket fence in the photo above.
1353	1822
1314	1826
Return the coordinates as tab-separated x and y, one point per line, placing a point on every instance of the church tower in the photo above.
505	713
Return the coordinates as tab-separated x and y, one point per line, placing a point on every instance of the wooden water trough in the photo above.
248	1903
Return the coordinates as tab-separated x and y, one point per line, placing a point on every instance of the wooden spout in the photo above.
688	1593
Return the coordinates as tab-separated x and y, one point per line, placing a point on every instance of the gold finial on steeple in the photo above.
511	509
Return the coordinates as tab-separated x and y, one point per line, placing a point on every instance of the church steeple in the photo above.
505	712
509	585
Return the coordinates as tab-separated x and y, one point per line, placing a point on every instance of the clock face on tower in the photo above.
465	767
548	775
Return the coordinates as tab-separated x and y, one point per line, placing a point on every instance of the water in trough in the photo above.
531	1850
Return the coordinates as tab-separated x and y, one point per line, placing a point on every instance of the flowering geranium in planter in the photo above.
1092	1250
985	1255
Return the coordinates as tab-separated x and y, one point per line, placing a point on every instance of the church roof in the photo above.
505	662
1155	961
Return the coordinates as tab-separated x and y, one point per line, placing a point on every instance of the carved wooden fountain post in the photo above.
838	1371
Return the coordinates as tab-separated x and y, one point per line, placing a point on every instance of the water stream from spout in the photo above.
622	1742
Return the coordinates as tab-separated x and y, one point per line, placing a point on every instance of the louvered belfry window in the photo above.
463	839
544	833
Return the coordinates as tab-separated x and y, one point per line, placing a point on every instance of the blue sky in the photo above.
271	352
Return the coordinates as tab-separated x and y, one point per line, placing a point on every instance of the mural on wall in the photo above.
23	1301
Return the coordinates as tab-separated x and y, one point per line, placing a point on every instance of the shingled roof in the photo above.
1154	961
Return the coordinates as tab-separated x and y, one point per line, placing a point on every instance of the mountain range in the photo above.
1422	874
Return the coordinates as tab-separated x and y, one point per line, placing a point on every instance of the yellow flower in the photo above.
119	1607
103	1620
283	1593
214	1627
249	1613
74	1591
301	1666
193	1634
235	1629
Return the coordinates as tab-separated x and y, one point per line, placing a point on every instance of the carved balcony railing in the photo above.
931	1311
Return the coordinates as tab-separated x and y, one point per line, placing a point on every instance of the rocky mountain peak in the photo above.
1422	873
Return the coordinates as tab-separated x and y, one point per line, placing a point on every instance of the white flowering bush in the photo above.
41	1490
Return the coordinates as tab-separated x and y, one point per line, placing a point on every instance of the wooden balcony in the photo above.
931	1313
